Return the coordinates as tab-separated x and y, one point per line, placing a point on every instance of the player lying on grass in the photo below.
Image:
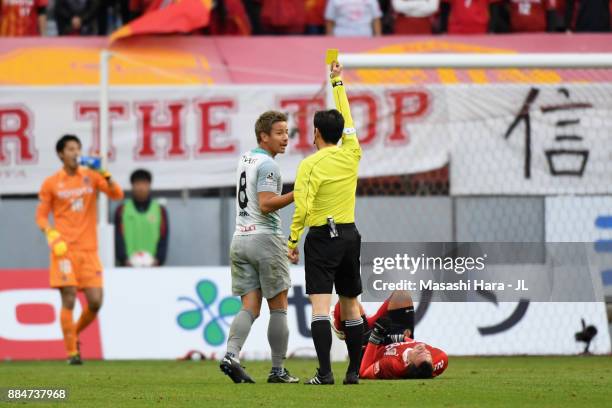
389	349
408	359
398	308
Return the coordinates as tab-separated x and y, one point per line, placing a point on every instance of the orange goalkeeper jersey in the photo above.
72	200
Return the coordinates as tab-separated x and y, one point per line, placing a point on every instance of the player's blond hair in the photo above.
266	120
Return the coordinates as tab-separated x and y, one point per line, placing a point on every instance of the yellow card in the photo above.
331	55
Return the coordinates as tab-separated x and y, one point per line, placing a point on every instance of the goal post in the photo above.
462	61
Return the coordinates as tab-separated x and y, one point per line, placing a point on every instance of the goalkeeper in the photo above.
71	196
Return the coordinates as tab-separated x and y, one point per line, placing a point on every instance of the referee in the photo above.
325	201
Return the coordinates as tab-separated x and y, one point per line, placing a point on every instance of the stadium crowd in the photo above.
317	17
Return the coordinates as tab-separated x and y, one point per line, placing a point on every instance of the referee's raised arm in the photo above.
324	194
316	169
349	134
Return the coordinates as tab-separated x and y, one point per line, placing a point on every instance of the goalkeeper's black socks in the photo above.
322	338
353	331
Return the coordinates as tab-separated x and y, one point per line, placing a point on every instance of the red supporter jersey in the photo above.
315	12
412	25
529	15
390	362
19	18
469	16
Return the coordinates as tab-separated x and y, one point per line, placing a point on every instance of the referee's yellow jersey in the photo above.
326	181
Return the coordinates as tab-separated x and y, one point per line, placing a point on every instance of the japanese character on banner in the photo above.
570	158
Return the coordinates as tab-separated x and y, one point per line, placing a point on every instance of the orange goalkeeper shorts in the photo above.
82	269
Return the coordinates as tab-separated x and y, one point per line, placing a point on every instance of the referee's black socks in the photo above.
353	332
322	338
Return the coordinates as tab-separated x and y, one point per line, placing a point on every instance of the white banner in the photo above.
502	139
516	139
191	137
164	313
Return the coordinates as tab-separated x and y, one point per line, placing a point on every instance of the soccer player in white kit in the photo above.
258	252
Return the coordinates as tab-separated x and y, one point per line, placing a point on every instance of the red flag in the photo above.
183	16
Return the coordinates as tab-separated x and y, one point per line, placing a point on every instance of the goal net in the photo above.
488	148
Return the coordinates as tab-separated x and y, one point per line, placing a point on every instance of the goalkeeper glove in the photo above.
95	163
56	243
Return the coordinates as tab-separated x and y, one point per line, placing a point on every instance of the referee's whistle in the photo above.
333	230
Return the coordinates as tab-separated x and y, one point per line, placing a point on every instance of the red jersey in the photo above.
469	16
19	18
391	361
405	25
529	15
315	12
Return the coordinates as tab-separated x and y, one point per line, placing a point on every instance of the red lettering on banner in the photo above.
91	111
168	122
15	124
370	118
20	290
407	106
209	129
303	116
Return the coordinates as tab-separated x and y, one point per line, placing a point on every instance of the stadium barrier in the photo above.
164	313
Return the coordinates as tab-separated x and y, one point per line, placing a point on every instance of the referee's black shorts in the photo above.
333	261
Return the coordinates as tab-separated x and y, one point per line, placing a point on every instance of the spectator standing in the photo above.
532	15
353	18
21	18
315	16
112	14
77	17
281	17
588	15
414	16
470	16
141	224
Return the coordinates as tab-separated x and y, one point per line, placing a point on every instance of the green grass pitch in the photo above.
468	382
